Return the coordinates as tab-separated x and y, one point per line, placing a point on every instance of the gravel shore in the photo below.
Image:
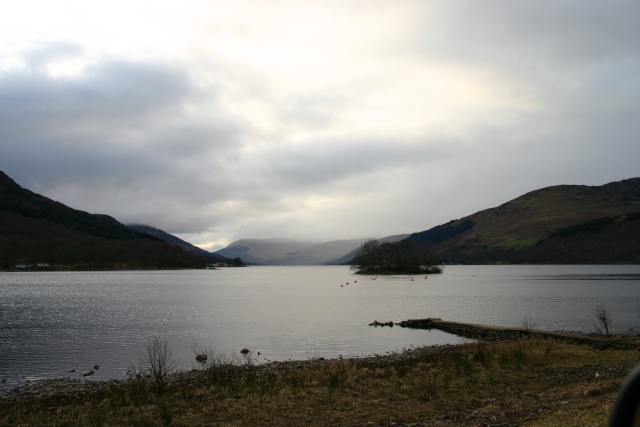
65	387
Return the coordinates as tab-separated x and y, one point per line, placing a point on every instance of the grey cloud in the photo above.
38	58
112	91
556	33
120	125
320	162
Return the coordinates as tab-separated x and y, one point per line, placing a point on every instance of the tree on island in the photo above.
237	262
405	257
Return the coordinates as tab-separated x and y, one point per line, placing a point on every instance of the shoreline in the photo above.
539	381
54	387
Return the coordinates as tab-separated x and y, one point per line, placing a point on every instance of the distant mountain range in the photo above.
559	224
290	252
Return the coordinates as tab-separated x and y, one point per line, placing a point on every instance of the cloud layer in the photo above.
320	121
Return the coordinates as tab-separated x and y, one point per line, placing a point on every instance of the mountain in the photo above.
291	252
323	253
262	251
169	238
517	231
37	230
602	240
26	213
565	223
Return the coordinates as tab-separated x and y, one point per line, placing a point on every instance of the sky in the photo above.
317	120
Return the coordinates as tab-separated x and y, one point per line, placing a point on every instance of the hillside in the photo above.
261	251
603	240
517	231
37	230
30	214
322	253
169	238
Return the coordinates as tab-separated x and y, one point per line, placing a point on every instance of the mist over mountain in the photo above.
289	252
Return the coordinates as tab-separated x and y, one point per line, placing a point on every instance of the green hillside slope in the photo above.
508	232
603	240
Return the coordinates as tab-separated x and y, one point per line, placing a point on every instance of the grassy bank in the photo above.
530	382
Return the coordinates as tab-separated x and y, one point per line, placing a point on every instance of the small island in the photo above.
404	257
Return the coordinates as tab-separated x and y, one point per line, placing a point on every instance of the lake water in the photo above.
53	322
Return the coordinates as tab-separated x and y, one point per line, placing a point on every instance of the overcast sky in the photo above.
315	120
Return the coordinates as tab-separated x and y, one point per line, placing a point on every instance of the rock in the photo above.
201	358
382	324
89	373
244	351
96	367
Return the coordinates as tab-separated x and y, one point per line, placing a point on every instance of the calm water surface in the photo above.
54	322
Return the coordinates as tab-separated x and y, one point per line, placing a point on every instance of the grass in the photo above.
509	242
531	382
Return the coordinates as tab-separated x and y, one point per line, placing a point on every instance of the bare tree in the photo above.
368	258
603	316
527	323
157	361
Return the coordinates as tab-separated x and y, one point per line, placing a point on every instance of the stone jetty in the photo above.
498	333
